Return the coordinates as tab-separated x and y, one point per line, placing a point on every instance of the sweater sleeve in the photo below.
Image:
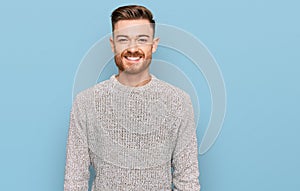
77	157
185	155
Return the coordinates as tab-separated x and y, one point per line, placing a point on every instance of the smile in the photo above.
133	58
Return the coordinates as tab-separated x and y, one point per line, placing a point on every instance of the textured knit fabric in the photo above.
132	136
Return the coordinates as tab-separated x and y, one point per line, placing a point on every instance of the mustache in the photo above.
128	53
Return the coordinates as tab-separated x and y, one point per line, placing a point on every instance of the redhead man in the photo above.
132	128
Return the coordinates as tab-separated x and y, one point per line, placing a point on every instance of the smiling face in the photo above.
133	45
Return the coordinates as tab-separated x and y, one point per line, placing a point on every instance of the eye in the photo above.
142	40
122	40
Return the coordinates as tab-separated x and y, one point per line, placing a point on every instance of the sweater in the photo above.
136	138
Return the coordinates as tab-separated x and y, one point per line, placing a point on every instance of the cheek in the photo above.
119	50
148	52
119	63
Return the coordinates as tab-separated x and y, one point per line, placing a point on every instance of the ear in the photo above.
112	45
155	44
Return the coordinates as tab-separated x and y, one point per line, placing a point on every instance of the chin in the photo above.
128	65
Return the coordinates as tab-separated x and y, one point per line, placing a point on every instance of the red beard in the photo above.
125	54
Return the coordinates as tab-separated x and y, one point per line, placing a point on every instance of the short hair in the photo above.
132	12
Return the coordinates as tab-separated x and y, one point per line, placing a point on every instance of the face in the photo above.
133	45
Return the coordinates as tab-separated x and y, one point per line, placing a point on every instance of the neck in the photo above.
133	80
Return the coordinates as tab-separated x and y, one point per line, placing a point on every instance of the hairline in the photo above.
152	25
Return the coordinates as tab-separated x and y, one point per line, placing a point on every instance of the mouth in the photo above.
133	59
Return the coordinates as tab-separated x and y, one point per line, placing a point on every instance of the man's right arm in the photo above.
77	157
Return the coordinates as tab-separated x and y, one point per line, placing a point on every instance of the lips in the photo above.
130	58
133	56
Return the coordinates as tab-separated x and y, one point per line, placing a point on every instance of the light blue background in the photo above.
256	44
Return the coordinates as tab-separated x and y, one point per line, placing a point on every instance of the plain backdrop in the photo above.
256	44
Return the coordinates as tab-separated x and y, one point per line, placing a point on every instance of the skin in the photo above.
133	44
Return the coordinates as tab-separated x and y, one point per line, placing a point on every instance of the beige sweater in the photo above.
132	136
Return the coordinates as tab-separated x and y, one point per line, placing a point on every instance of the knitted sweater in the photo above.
132	136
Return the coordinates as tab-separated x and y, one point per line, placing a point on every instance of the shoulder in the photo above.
176	100
87	95
172	91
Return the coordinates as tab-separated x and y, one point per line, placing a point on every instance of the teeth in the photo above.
133	58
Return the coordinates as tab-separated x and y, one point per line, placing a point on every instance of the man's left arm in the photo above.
185	155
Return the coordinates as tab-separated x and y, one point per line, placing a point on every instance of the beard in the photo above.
126	55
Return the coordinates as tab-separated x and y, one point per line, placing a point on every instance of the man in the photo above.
132	128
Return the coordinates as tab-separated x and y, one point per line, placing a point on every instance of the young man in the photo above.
132	128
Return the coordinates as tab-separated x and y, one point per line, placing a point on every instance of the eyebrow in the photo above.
143	35
126	36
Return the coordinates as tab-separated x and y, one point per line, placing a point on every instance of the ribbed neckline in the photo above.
122	87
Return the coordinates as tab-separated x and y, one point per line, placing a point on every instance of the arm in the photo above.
185	155
77	159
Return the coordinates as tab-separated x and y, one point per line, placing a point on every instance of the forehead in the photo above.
133	27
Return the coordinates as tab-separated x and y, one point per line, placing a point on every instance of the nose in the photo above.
132	46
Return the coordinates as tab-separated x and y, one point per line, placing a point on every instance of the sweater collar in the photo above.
122	87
